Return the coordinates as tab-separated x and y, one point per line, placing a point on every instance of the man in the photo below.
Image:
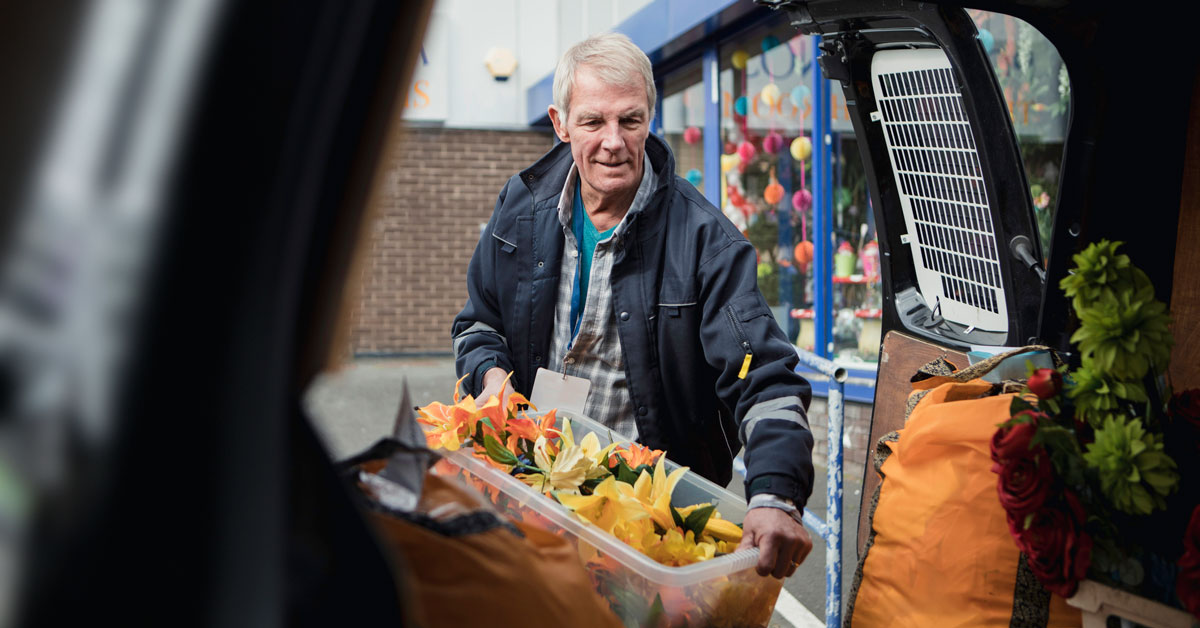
598	262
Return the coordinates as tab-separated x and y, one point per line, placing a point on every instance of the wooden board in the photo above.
899	360
1185	291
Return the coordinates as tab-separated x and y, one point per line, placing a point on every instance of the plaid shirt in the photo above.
596	353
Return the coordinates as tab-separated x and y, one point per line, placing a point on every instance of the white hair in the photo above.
614	58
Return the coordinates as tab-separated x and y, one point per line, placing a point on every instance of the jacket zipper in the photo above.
740	335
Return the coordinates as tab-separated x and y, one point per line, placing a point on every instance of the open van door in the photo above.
961	261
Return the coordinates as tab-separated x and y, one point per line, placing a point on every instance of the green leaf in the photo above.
623	473
697	519
657	612
1019	405
498	452
675	515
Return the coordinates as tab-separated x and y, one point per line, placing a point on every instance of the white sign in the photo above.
427	97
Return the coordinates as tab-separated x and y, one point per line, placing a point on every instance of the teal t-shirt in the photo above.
587	236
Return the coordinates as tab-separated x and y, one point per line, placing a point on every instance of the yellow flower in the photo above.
565	472
606	507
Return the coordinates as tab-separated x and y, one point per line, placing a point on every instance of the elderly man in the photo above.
600	263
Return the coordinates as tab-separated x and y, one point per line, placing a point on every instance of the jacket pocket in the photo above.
739	313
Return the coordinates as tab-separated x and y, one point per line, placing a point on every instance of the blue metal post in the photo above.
822	248
712	127
831	528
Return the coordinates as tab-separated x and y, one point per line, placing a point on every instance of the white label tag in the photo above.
559	390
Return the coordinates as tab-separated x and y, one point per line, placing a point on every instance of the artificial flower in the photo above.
1045	383
608	505
1135	473
1058	550
634	455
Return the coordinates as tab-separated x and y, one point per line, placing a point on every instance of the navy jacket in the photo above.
685	293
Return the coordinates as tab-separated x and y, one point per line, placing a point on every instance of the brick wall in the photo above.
441	185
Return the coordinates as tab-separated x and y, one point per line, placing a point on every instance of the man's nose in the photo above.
611	141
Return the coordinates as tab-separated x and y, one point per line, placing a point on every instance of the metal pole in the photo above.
831	528
833	509
712	127
822	248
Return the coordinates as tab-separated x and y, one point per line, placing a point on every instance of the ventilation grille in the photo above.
941	186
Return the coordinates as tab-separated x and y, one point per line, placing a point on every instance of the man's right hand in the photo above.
493	381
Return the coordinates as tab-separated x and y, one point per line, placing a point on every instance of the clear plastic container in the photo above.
723	591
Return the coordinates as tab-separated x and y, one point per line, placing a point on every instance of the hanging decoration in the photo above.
746	151
773	193
729	162
739	59
740	106
801	148
691	135
773	142
770	95
769	42
729	148
802	200
694	177
799	94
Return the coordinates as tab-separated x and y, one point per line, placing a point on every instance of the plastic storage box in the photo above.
722	592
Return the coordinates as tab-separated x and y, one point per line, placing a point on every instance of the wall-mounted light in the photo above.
501	63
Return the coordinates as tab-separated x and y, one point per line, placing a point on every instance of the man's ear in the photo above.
560	129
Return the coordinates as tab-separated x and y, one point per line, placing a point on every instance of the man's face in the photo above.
607	127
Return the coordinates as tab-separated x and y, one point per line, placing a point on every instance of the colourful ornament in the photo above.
803	254
773	142
694	177
801	148
773	193
987	39
799	94
730	148
769	42
739	59
746	151
770	95
729	162
691	135
802	200
740	106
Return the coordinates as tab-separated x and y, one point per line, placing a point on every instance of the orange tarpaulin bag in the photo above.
940	553
469	566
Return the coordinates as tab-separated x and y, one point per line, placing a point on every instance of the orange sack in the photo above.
940	552
465	570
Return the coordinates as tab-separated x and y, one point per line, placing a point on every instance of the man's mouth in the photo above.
615	164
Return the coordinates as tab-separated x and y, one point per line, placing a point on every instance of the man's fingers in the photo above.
768	555
783	558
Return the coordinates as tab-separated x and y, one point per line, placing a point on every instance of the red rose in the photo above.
1045	383
1025	483
1186	406
1059	552
1014	442
1187	584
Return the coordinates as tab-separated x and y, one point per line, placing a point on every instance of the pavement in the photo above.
356	405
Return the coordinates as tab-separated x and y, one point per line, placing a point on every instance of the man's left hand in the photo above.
782	542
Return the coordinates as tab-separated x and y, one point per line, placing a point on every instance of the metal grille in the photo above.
941	186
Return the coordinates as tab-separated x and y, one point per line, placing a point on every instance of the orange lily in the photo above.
635	455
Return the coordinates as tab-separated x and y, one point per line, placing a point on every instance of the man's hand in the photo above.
493	380
782	543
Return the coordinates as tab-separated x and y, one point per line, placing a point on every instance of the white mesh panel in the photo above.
941	187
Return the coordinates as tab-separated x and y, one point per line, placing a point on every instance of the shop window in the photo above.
683	122
766	79
1038	92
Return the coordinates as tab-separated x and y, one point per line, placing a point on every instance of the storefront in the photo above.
755	126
